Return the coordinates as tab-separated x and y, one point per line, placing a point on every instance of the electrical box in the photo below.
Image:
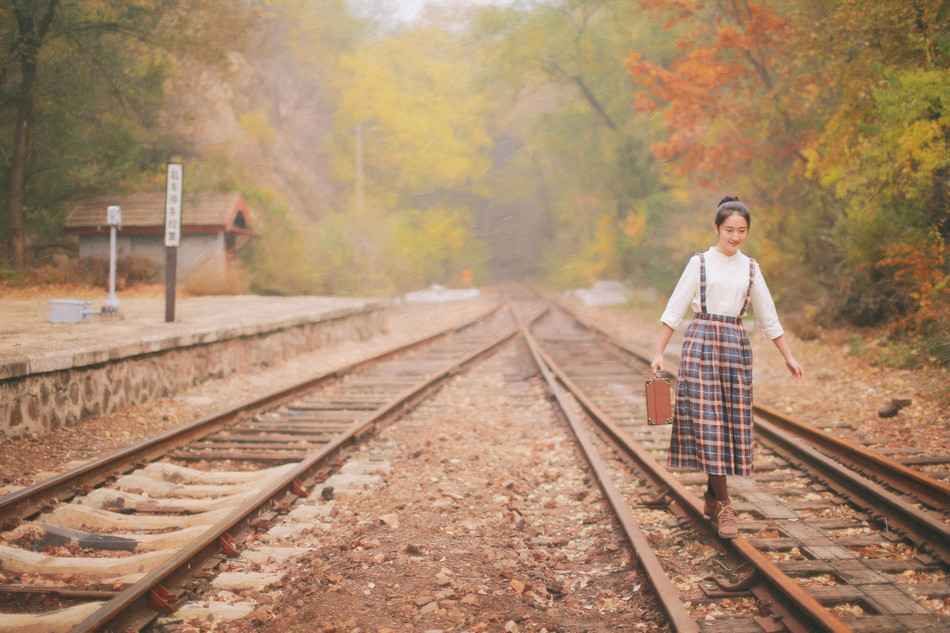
69	311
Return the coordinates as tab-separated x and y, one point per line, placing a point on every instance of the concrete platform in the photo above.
30	343
53	374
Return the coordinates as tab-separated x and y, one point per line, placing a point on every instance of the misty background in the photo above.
385	145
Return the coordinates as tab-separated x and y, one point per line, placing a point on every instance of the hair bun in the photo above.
728	199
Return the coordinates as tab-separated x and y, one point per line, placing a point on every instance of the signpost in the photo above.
174	179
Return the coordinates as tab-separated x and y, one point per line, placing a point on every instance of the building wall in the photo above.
194	248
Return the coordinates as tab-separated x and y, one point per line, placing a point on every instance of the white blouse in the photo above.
726	281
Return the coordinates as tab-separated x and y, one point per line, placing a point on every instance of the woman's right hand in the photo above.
666	332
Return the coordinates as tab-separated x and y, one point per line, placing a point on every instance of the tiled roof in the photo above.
213	210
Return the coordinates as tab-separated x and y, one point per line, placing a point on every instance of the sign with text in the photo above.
173	191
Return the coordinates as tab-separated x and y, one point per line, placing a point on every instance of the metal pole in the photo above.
359	170
111	304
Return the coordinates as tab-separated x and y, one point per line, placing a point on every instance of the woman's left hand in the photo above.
798	374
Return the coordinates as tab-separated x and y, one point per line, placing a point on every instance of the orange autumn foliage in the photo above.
713	92
918	269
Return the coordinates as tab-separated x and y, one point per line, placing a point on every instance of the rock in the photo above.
894	408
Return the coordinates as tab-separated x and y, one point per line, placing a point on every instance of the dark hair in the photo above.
729	205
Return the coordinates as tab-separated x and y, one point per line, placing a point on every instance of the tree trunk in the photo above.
30	38
17	174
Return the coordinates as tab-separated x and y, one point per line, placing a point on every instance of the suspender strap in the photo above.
702	283
748	292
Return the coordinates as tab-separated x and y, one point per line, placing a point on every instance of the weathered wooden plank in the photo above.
258	446
252	456
730	624
766	505
892	624
891	599
884	565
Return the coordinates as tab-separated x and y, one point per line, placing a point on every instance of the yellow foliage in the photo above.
422	120
633	227
256	126
437	244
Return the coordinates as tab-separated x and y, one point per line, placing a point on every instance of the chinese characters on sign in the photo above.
173	204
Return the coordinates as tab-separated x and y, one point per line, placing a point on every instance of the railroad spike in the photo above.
656	500
770	625
298	488
229	546
161	599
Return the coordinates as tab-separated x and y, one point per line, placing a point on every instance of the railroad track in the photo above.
814	554
920	475
820	548
114	543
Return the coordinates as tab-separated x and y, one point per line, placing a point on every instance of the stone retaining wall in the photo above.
41	402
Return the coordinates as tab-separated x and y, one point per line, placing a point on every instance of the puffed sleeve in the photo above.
764	307
686	289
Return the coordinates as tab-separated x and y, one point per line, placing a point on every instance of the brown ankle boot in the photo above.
709	504
726	517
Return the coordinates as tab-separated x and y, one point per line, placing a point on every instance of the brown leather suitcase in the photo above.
659	403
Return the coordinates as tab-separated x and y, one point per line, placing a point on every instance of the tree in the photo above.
578	160
883	151
411	141
82	83
421	120
834	117
32	24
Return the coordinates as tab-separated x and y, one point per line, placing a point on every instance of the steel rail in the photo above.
62	487
932	492
127	609
926	530
798	601
678	617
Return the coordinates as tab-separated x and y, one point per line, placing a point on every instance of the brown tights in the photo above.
717	486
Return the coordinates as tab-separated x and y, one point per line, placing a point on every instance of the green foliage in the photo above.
831	120
279	260
435	246
96	114
570	139
411	143
882	151
904	352
584	173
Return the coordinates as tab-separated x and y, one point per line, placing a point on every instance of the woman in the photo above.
712	422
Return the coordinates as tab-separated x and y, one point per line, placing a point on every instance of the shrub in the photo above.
129	271
211	277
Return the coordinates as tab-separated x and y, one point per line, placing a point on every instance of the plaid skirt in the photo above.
712	419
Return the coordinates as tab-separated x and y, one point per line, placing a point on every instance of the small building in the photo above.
213	226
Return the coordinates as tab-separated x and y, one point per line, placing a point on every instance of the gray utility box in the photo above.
69	311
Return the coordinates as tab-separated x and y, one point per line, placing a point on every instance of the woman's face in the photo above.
732	233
